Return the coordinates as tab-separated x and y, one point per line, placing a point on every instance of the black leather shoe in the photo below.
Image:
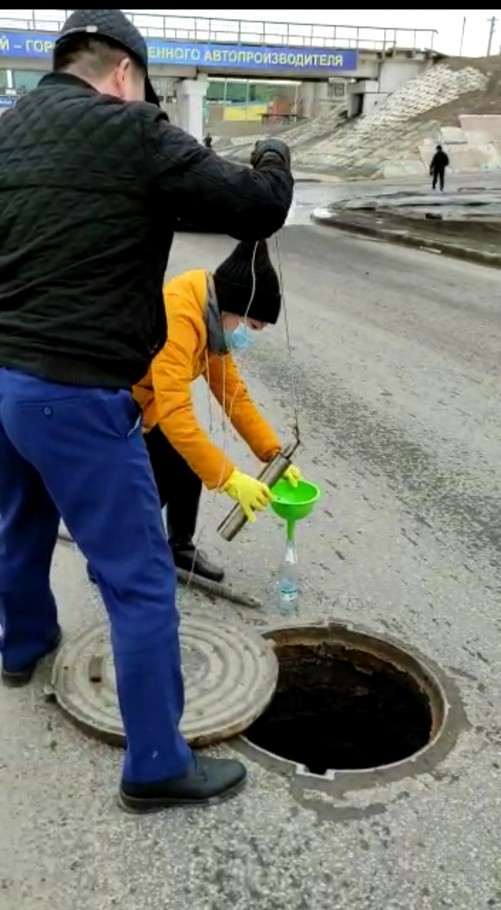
17	678
185	558
208	781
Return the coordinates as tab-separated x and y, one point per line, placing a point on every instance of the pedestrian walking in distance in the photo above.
438	165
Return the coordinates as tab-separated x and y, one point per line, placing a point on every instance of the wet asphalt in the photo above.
397	371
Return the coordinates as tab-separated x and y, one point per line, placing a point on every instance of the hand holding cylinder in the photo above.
252	495
271	473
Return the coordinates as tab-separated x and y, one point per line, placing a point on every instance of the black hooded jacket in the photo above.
439	161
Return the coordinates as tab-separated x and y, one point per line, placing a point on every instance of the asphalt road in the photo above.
396	359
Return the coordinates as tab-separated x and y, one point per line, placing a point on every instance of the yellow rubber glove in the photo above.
251	495
293	475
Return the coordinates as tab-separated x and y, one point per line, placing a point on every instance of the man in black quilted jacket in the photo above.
92	179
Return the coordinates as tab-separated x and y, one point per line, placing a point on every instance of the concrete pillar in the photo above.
190	98
307	99
363	97
314	98
322	99
371	96
352	105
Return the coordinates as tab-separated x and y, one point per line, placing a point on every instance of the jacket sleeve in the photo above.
172	377
231	392
204	189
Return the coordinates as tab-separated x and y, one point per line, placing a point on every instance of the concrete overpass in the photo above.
374	61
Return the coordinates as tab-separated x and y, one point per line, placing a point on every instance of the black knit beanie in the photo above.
233	283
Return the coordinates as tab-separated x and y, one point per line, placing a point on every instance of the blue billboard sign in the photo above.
252	57
243	57
7	101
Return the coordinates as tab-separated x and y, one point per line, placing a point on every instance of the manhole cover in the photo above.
347	701
230	675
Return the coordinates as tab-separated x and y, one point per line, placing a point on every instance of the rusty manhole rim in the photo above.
395	652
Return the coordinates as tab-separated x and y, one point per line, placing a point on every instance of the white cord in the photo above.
295	404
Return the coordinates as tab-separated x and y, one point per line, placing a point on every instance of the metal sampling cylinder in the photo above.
271	473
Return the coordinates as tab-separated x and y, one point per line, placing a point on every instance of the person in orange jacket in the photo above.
209	317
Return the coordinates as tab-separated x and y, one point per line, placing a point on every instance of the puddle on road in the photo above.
307	198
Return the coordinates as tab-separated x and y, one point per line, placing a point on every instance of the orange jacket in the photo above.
165	394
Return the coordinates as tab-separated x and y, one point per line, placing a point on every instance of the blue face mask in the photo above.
239	339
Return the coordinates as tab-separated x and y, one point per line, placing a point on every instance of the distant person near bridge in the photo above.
208	141
438	165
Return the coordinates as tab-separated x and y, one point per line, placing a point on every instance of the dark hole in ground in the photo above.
338	707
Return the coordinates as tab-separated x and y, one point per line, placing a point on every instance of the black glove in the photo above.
266	148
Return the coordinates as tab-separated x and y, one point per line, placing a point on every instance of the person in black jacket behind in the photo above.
92	180
439	162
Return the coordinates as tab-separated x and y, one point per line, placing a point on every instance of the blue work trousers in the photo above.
79	453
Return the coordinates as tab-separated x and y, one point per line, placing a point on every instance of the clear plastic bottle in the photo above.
287	586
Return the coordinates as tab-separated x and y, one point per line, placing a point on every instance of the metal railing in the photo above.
245	31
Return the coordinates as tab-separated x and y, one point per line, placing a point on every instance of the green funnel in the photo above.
293	503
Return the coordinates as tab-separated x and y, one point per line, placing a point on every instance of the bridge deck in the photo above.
245	31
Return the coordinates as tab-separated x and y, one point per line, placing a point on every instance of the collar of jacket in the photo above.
213	321
68	79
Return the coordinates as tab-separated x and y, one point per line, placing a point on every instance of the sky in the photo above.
448	23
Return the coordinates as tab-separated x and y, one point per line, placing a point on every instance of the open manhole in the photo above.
347	701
